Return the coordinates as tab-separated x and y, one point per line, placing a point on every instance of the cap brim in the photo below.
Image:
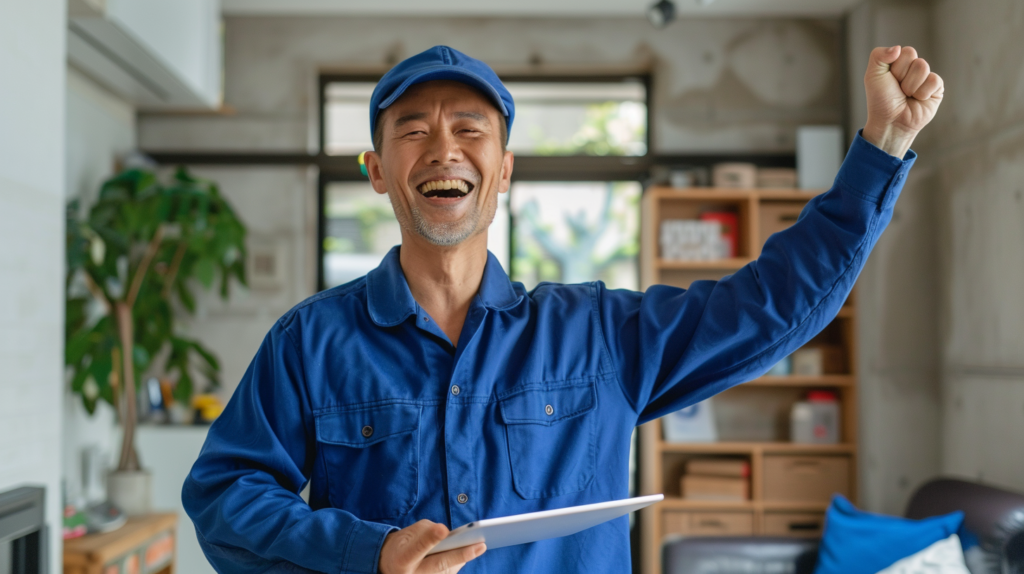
446	72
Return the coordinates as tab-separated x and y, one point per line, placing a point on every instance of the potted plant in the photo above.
132	261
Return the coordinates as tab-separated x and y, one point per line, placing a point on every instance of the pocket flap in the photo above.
361	428
546	406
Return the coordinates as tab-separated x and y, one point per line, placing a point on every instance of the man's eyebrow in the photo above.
409	118
471	116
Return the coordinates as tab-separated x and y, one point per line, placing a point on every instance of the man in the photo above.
434	392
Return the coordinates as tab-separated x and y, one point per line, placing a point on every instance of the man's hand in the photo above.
903	95
405	551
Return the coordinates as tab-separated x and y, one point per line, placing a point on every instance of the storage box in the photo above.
776	177
729	467
697	487
738	175
817	360
708	523
805	478
799	524
776	216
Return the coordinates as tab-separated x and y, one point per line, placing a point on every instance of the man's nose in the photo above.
445	148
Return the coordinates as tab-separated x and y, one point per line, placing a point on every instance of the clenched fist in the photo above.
405	551
903	95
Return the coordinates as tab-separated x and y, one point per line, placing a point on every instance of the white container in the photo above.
815	422
695	423
819	153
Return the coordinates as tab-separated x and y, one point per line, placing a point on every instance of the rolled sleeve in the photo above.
873	174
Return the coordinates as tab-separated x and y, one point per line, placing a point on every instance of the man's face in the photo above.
441	161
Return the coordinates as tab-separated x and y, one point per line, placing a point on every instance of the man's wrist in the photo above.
889	139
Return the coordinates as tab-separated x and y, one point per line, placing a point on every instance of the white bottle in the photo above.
816	420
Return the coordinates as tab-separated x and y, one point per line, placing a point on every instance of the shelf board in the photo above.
804	381
731	263
789	194
673	503
752	447
732	194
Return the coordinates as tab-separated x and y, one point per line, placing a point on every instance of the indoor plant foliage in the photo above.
143	244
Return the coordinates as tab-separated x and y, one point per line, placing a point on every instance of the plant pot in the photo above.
131	491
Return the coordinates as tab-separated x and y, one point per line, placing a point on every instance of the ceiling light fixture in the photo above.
661	13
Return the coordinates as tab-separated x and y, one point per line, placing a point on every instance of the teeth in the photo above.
445	184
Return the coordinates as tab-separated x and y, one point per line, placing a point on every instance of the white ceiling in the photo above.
526	8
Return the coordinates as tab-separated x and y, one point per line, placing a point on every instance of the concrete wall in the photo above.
100	132
900	405
721	84
32	260
979	196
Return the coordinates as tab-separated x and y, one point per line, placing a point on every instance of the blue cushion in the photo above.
858	542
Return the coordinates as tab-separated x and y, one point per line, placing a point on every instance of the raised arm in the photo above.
674	347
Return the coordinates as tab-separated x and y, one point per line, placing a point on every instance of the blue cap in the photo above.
440	63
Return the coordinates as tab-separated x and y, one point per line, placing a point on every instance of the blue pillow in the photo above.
858	542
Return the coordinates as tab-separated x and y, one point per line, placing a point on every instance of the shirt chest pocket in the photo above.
550	434
371	459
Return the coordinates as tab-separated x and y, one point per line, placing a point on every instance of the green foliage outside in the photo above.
596	136
540	254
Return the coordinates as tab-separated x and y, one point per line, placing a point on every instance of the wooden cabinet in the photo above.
714	523
145	545
790	483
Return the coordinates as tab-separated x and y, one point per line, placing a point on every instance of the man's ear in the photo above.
506	172
375	171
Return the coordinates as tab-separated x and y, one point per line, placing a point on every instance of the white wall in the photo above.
32	259
184	34
100	130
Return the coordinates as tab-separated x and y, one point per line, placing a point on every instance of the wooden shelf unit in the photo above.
760	212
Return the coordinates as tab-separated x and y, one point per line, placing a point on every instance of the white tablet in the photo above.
534	526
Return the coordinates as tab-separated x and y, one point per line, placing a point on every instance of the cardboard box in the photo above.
708	523
805	478
799	524
696	487
737	175
776	177
728	467
776	216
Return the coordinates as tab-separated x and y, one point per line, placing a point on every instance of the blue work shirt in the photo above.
358	392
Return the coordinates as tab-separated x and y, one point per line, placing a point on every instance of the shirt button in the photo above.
462	498
455	389
367	431
550	410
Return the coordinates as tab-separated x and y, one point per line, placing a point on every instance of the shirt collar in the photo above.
390	301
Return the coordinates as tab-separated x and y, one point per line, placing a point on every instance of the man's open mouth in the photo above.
446	188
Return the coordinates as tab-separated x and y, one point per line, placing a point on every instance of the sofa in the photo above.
994	516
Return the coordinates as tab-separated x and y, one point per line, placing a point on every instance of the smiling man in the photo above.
434	391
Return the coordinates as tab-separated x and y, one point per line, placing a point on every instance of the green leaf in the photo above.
205	270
